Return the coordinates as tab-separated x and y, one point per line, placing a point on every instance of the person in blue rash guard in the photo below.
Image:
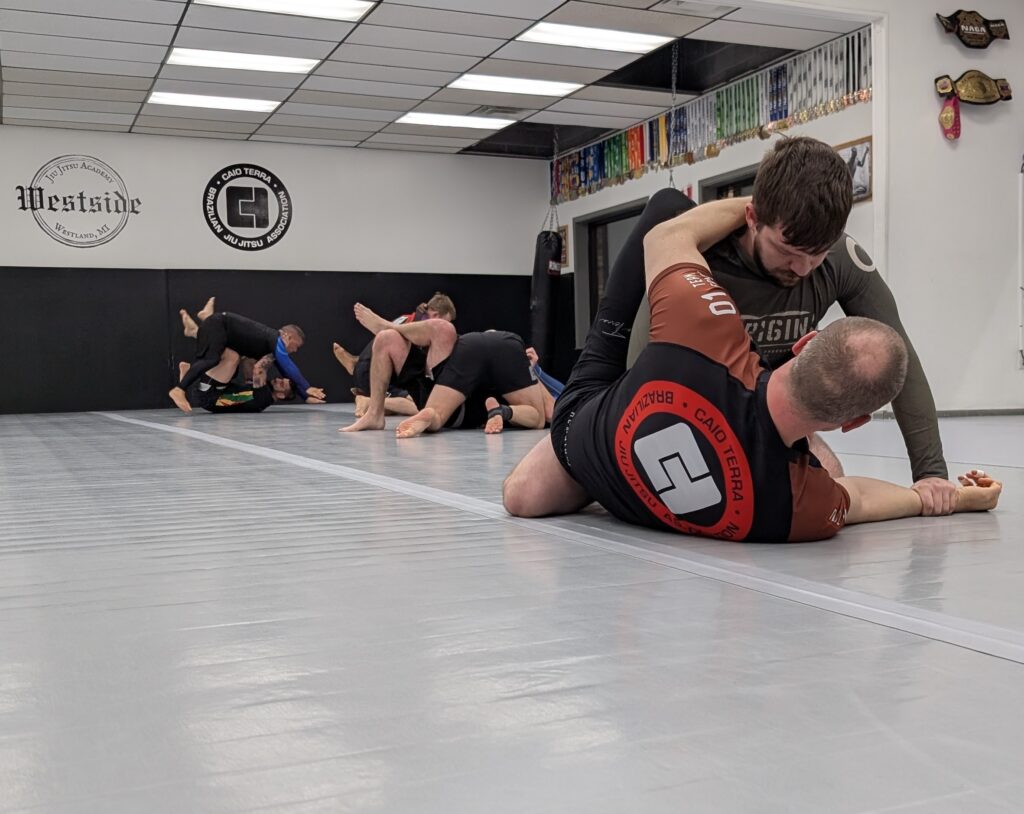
247	338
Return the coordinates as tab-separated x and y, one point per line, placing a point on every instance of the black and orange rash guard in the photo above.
683	441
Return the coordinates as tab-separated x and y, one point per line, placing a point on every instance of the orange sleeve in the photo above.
819	503
689	308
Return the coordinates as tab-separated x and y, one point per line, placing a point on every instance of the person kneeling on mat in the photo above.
699	437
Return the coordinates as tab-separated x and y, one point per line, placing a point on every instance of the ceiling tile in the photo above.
564	55
212	125
526	9
770	36
111	128
50	62
400	58
795	19
314	142
67	115
479	97
72	92
213	89
258	22
381	73
694	7
64	25
227	76
410	148
74	47
399	91
311	132
596	15
363	114
468	133
213	40
150	11
77	79
450	22
581	119
539	70
432	41
435	141
325	122
319	97
448	108
177	112
628	96
636	112
53	103
167	131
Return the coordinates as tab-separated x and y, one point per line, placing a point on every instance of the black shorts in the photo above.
491	362
205	392
406	382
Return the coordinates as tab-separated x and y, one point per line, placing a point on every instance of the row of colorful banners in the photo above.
816	83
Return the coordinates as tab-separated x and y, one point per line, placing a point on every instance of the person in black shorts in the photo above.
699	437
221	389
492	362
246	337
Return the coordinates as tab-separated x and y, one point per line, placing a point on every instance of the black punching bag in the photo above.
547	266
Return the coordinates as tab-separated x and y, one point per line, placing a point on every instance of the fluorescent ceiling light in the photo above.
243	62
218	102
602	39
351	10
443	120
505	84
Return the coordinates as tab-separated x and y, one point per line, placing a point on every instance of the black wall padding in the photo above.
546	269
109	339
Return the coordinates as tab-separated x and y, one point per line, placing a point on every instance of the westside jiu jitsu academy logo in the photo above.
247	207
79	201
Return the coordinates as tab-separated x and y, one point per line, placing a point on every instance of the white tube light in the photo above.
215	102
348	10
243	62
444	120
601	39
506	84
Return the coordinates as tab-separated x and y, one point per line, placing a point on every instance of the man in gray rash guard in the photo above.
783	288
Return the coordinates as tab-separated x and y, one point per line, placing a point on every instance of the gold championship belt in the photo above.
974	88
972	29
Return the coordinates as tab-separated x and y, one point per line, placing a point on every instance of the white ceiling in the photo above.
91	64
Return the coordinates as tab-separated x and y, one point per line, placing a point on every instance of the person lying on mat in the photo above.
699	436
220	390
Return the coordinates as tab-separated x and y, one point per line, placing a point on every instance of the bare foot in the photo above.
178	397
188	324
182	370
496	423
417	424
207	310
978	492
366	422
369	320
345	359
362	405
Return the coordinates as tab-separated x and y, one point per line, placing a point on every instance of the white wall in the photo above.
354	209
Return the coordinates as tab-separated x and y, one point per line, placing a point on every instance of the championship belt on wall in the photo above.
973	88
974	30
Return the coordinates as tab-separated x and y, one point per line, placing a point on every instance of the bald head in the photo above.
851	368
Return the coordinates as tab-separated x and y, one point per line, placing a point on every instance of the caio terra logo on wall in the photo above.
79	201
247	207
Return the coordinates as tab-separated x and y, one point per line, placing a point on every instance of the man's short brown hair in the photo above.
443	304
851	368
804	188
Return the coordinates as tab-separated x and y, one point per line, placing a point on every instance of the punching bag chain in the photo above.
672	115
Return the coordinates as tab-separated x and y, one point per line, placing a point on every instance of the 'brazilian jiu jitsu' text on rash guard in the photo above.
683	441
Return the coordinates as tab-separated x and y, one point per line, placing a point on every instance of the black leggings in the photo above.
211	341
603	359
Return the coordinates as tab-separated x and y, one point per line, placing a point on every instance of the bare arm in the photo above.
873	500
685	237
259	370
